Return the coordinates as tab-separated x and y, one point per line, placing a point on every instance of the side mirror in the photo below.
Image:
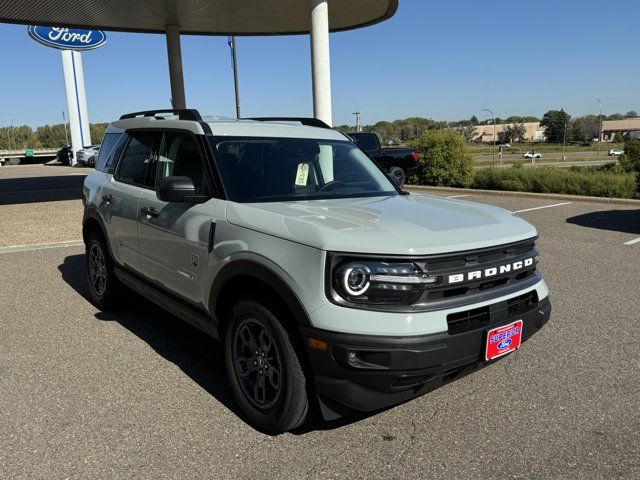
178	189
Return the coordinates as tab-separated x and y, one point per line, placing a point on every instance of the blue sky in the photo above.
446	60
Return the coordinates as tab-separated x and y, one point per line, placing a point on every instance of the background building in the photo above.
533	132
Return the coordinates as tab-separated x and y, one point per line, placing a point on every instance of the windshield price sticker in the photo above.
302	175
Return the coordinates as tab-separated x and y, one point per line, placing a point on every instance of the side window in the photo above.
179	156
132	167
110	150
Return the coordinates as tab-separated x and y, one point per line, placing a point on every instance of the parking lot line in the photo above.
40	246
545	206
459	196
631	242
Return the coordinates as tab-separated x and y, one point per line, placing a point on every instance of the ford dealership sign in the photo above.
68	38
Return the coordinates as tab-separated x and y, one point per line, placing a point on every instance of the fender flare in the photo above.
266	275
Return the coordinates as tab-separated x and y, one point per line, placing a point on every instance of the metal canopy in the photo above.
202	17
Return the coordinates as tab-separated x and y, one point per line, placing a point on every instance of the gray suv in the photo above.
331	289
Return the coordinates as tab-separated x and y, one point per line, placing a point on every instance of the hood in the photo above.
398	225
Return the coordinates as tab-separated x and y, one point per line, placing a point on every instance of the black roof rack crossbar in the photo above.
310	122
183	114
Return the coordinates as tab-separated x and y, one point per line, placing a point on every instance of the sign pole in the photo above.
71	41
72	104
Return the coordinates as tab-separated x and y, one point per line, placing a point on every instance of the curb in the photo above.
550	196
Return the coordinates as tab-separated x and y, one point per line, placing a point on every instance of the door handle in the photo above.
149	212
107	198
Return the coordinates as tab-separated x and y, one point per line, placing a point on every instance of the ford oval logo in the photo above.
504	344
67	38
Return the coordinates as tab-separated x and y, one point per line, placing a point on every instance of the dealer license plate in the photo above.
503	340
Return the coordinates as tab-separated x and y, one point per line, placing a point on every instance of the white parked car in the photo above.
532	154
87	155
615	152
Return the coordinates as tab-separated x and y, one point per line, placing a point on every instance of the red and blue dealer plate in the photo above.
502	340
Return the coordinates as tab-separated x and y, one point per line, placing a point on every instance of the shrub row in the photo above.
597	183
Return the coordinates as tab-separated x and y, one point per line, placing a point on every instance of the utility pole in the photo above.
600	128
493	152
358	128
234	58
564	142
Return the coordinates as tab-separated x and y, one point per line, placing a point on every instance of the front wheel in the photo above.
398	175
264	370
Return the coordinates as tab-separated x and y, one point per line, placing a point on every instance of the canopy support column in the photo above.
320	60
174	55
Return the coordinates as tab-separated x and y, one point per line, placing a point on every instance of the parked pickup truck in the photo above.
396	161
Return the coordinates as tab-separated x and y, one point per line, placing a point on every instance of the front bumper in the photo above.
366	372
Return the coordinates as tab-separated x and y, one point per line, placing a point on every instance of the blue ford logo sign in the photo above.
504	343
68	38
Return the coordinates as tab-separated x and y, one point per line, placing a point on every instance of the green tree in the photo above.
512	133
631	114
18	138
444	159
614	116
585	128
96	130
52	136
555	122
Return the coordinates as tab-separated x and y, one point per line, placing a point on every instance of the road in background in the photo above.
137	393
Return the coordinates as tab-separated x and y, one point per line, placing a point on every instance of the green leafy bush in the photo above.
553	180
444	159
630	160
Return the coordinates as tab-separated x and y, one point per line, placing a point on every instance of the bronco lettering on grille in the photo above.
490	272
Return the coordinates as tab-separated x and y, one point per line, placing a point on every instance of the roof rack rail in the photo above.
183	114
310	122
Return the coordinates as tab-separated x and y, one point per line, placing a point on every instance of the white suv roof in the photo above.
221	126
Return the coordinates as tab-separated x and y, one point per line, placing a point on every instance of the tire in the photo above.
104	287
398	175
92	162
270	387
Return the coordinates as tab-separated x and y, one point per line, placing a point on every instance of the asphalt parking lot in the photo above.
138	394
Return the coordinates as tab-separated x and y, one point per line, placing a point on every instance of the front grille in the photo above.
483	317
464	263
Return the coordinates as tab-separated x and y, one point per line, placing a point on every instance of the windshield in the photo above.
286	169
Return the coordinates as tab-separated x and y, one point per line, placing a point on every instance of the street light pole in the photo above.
600	128
493	152
564	142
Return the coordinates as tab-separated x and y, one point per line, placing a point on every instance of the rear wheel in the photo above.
398	175
264	370
104	286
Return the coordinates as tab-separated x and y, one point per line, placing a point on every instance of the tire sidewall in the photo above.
106	299
404	175
276	418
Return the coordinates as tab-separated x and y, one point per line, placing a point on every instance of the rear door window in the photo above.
137	156
110	150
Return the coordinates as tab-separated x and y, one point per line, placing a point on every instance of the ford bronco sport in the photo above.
330	288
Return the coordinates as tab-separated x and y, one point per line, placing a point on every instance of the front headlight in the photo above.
380	283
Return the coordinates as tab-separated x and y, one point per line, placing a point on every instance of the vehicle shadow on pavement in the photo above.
53	188
195	353
626	221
